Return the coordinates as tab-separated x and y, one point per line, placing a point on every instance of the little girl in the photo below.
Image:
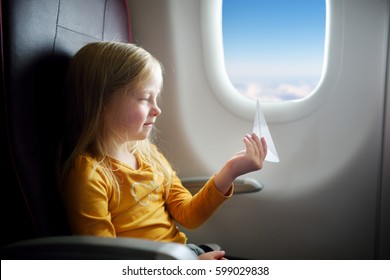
115	181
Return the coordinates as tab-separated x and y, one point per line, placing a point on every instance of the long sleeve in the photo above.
86	198
192	211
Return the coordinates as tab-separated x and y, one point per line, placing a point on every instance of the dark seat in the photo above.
37	40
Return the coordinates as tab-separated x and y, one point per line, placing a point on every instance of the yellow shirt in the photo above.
140	209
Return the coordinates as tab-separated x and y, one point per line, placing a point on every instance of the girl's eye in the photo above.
148	98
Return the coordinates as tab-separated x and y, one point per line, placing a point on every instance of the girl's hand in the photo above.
252	158
248	160
213	255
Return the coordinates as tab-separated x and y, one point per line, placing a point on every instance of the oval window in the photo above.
274	50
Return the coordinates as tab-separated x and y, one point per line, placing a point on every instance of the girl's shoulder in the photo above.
85	165
85	161
89	169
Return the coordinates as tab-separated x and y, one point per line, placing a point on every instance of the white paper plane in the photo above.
260	128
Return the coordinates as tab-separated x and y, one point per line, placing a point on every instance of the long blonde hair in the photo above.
97	71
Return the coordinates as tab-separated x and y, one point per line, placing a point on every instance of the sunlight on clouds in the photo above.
275	92
274	83
253	91
298	92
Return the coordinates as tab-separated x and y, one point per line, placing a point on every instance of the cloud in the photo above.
275	92
298	91
273	82
253	90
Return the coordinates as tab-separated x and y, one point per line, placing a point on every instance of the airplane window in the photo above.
274	50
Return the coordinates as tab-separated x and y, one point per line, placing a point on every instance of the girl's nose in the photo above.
156	111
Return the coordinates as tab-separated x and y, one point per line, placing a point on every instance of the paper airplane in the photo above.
260	128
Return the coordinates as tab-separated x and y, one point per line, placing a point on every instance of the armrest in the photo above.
247	185
95	248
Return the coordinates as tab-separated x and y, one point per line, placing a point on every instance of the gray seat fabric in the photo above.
38	38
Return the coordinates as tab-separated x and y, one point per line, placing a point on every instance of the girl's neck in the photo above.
123	154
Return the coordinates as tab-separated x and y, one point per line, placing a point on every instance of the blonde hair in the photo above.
95	73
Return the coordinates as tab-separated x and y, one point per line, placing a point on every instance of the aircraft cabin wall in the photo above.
322	200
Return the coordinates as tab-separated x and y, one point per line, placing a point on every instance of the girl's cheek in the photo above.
132	120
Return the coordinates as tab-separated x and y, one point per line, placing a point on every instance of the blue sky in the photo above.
274	48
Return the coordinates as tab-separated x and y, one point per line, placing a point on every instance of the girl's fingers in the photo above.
265	147
259	146
257	143
251	145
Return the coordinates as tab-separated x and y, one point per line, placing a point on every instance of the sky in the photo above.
274	49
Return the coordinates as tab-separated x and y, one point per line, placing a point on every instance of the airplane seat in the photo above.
37	40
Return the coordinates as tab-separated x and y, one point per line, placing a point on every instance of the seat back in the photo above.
37	40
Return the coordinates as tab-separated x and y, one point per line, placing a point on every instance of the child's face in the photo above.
131	114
